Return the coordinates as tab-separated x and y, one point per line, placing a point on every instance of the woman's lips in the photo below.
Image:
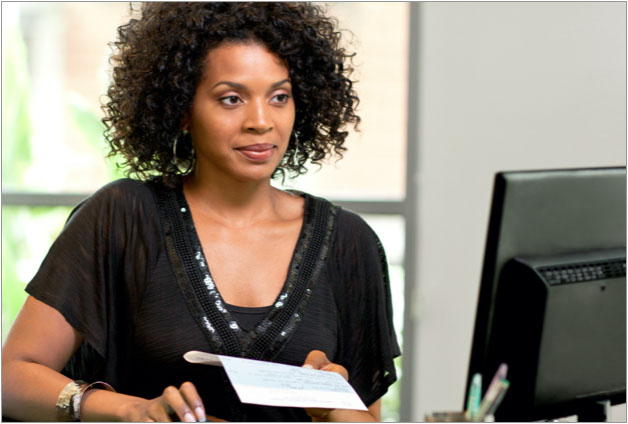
257	152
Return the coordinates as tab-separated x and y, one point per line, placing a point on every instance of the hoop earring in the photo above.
183	133
298	145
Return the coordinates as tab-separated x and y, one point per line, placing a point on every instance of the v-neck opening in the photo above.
205	303
247	337
193	233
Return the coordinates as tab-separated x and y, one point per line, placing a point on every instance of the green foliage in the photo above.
16	156
391	401
27	232
16	125
13	294
91	128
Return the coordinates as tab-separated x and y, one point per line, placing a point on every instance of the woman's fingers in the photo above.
337	368
174	404
192	398
318	413
175	400
316	359
319	361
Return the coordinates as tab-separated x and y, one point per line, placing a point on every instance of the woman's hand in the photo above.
318	361
182	404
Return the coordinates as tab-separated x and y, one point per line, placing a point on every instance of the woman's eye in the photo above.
230	100
281	98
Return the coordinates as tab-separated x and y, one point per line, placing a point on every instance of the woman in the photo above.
208	102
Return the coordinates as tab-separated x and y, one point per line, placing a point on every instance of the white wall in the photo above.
502	86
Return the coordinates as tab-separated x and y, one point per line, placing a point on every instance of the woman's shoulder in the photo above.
120	197
347	222
352	228
117	208
123	189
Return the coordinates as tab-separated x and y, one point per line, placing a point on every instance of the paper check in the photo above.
272	384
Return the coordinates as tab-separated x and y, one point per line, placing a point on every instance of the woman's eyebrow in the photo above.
242	87
280	83
230	84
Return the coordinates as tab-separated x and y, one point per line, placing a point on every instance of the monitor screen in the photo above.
552	300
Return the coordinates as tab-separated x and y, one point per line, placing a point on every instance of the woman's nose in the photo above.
258	119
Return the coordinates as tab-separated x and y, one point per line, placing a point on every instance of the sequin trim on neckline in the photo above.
205	302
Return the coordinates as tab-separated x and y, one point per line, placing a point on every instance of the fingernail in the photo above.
189	418
200	414
308	366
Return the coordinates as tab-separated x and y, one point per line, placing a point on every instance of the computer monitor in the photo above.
552	299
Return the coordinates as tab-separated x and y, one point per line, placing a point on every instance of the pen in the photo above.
475	396
492	399
501	373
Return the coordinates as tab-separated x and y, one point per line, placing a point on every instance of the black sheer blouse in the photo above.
128	272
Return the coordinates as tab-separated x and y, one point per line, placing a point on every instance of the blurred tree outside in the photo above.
16	124
16	156
23	250
28	231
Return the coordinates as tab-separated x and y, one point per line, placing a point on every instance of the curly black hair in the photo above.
158	63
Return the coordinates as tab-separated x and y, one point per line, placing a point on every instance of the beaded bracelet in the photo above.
69	400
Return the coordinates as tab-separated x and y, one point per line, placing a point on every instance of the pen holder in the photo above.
453	417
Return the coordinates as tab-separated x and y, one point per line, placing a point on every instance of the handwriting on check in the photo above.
283	377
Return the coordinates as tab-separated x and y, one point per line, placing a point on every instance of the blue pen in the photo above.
475	396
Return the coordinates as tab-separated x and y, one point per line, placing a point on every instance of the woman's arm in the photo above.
39	345
348	415
318	360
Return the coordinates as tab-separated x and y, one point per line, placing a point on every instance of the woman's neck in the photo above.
233	203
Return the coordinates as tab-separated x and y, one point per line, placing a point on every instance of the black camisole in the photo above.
248	318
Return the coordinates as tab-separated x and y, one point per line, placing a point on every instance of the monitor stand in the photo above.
599	411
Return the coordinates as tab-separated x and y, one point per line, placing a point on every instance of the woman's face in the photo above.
243	112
